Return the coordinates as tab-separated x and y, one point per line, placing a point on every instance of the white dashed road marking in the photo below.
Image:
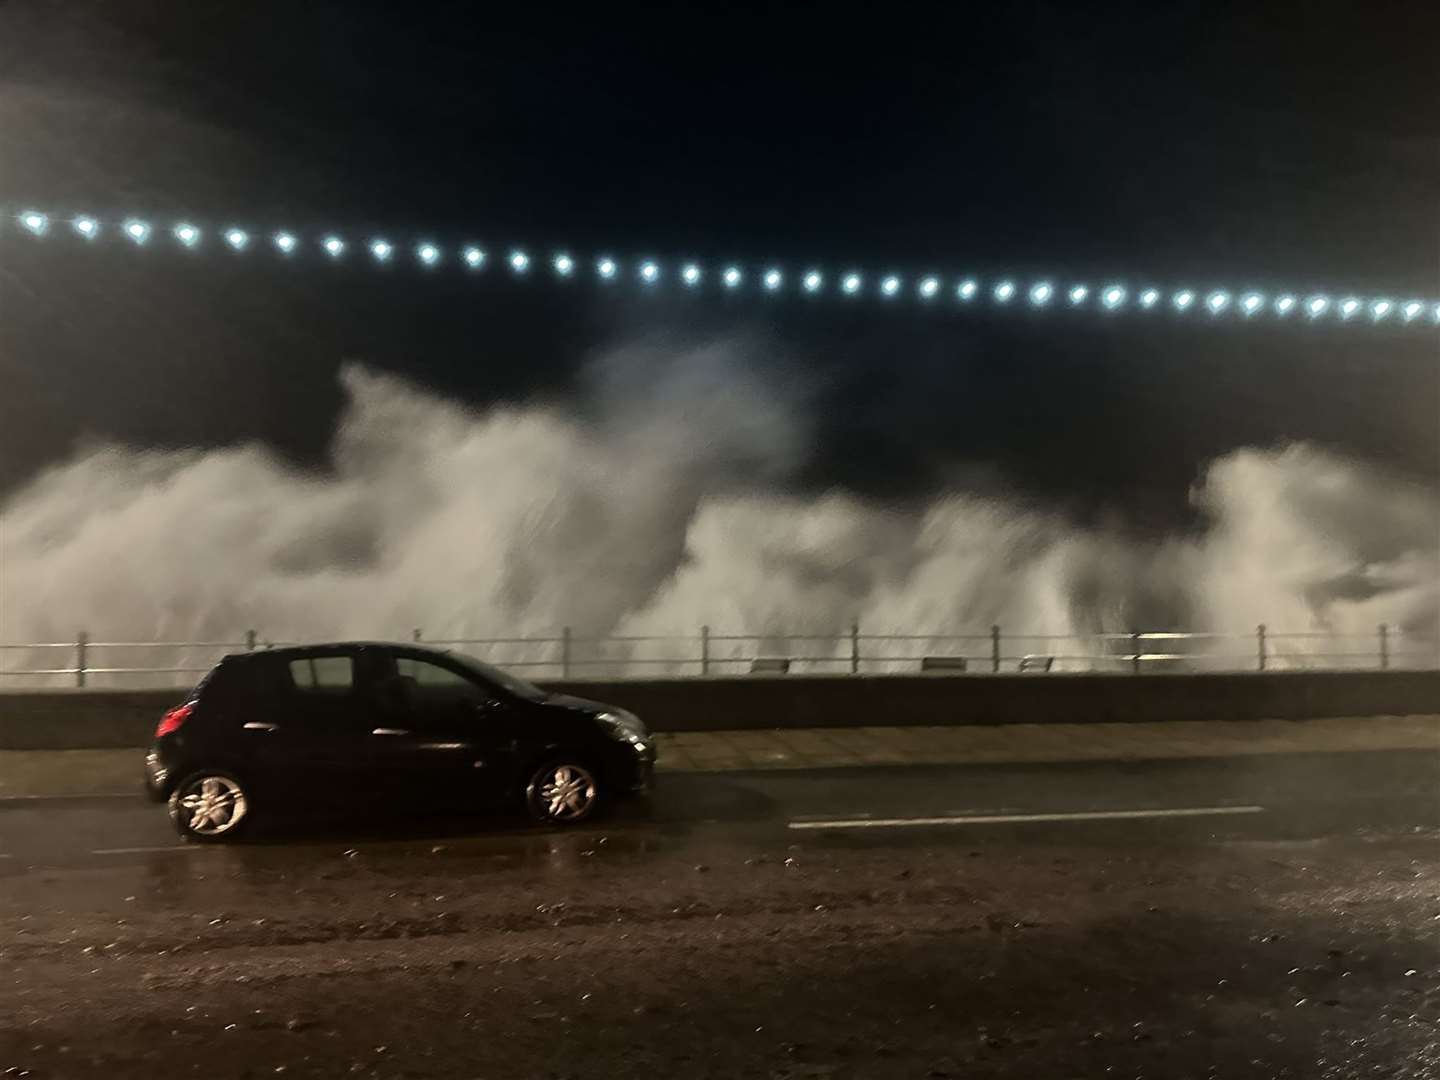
1011	819
15	800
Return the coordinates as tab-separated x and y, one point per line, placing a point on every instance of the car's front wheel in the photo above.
210	806
563	791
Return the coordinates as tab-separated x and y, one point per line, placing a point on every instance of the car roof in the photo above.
340	646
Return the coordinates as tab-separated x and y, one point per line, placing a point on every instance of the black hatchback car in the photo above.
381	726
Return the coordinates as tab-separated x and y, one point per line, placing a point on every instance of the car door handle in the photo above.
261	725
389	731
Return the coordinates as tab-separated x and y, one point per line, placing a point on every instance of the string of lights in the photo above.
1105	297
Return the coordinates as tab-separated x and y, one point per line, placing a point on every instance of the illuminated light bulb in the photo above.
1040	293
1435	314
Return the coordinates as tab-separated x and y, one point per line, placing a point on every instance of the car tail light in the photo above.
172	720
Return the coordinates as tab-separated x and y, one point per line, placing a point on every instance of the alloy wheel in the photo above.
211	805
563	793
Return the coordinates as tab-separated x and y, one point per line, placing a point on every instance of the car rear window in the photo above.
323	674
219	681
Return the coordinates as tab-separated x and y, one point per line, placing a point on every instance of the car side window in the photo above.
437	684
331	675
432	676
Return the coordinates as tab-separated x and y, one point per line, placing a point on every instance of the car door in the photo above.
309	735
441	737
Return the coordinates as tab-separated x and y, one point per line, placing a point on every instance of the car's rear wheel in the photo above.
210	806
563	791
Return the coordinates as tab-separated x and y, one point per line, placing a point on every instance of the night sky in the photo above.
1204	144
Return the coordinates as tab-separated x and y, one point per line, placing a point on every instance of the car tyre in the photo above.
211	806
563	791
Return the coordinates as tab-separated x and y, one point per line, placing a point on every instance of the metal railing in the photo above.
82	662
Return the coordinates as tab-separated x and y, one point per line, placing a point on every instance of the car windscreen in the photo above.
503	679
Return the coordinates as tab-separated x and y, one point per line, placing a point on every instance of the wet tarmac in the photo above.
1238	918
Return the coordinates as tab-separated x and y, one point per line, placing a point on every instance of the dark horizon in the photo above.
1190	146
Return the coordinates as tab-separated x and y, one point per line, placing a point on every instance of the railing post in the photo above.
415	634
855	648
995	649
565	652
1135	652
1384	646
704	650
249	640
1260	647
82	641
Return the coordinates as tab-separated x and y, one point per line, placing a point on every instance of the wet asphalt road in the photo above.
1273	916
1279	796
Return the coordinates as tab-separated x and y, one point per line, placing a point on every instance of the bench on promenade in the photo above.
942	663
1036	663
770	665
